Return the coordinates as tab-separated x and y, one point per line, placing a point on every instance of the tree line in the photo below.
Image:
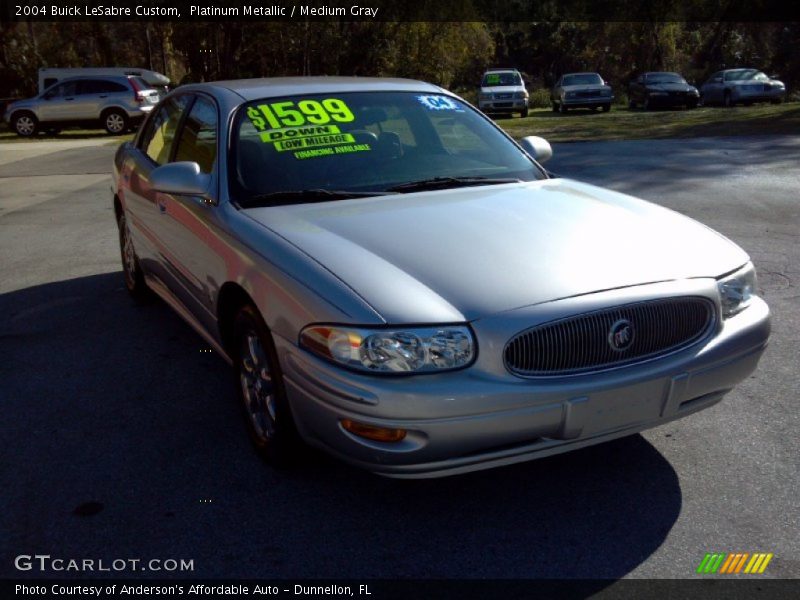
450	54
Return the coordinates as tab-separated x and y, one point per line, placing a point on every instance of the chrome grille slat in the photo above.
579	344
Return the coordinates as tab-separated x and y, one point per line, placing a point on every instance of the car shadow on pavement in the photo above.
122	438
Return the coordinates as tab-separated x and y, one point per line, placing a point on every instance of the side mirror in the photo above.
181	178
537	148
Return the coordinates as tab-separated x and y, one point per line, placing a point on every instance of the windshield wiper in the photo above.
440	183
304	196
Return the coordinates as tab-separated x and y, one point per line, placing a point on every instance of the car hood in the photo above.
460	254
585	87
670	87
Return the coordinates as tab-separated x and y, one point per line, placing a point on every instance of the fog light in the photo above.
370	432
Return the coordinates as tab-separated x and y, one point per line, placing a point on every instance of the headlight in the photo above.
401	350
657	94
520	95
736	291
694	92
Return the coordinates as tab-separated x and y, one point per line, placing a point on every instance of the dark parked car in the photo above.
742	86
662	89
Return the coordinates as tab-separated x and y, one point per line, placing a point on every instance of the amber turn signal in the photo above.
370	432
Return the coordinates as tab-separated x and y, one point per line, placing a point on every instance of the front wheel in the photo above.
554	106
524	113
606	107
562	108
727	101
262	392
134	277
25	124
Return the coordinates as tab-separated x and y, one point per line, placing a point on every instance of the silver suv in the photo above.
114	103
503	91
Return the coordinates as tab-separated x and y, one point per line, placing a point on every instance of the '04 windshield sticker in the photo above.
438	103
307	127
493	79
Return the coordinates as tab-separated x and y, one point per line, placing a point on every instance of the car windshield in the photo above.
746	75
664	78
500	79
582	79
326	146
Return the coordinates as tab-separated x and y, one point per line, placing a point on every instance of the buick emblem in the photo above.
620	336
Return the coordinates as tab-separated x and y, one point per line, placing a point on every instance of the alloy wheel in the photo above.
258	389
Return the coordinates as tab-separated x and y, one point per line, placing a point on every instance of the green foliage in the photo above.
451	54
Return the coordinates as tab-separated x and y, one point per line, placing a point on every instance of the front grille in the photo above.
502	96
502	104
583	343
592	94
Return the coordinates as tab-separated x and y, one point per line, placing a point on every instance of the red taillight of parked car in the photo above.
138	96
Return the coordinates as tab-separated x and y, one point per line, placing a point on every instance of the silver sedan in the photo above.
398	282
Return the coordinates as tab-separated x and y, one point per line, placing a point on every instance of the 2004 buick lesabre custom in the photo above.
398	282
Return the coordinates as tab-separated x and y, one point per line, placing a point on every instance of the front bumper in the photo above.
469	420
587	102
502	105
673	99
747	95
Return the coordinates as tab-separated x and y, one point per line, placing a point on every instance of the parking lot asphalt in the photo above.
121	437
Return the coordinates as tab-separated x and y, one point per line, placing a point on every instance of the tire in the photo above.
524	113
562	108
727	101
262	392
554	106
25	124
131	271
606	107
115	122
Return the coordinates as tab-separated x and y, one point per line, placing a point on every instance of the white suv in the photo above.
503	91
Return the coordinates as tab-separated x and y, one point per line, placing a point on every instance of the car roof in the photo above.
583	73
93	77
500	70
253	89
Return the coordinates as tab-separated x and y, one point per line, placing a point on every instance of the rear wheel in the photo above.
262	392
606	107
25	124
115	122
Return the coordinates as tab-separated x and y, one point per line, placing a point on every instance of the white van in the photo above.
49	76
